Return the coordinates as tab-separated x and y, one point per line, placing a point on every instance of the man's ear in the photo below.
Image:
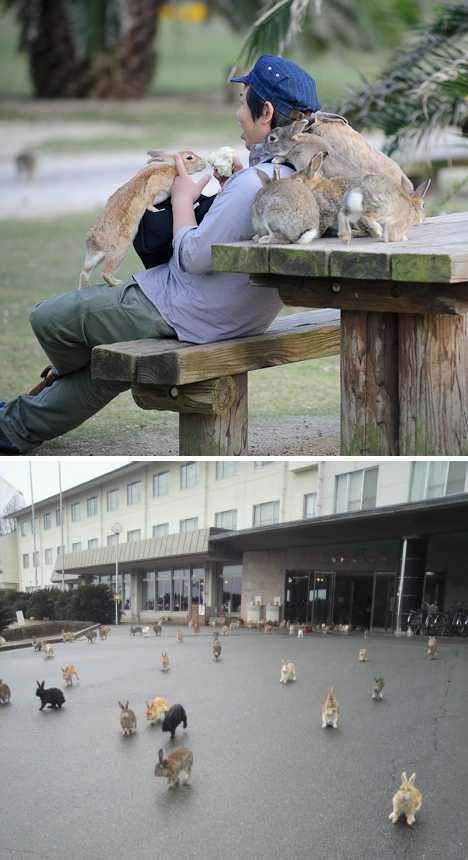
267	112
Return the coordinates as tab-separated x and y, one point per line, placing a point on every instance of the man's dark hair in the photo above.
255	104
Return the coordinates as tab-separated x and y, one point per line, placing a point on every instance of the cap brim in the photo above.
244	79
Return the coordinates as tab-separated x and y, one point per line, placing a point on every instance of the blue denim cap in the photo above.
281	82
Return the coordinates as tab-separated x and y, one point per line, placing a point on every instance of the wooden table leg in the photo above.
225	431
369	383
433	359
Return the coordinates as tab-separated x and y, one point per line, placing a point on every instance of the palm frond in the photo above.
274	28
425	85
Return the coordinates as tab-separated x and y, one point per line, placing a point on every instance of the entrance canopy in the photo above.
421	519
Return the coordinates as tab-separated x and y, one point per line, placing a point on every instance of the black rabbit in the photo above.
53	697
174	716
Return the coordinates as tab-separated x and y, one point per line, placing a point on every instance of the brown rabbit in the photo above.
330	710
349	154
176	766
284	210
386	209
127	720
115	229
407	800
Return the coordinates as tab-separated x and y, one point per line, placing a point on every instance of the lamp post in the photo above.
116	529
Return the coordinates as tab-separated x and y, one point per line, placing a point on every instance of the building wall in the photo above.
8	561
253	482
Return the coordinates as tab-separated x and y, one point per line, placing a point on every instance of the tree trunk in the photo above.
122	69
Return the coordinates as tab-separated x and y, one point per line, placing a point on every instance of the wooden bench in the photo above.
207	383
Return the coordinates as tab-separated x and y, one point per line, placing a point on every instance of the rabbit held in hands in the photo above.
177	766
330	710
113	233
127	720
407	800
384	208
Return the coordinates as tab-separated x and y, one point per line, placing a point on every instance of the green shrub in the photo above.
92	603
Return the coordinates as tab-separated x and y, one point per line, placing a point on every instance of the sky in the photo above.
75	470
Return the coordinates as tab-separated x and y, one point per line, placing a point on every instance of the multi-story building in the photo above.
182	535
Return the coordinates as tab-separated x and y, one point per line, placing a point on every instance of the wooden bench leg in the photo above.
224	432
213	415
433	378
369	383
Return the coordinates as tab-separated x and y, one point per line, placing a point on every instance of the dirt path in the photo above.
292	436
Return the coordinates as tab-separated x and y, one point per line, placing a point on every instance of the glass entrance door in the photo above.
321	596
384	601
297	597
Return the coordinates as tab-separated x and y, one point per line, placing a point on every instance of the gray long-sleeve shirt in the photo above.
203	305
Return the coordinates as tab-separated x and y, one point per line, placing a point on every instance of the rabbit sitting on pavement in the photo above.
176	766
127	720
407	800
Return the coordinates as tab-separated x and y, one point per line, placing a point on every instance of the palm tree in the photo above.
89	48
424	87
323	24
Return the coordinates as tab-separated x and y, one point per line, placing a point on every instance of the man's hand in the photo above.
184	188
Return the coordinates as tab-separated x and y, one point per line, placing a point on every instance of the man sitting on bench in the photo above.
182	298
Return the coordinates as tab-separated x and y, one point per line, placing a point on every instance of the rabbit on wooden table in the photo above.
116	228
387	210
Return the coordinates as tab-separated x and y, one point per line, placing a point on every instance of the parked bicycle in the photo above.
432	621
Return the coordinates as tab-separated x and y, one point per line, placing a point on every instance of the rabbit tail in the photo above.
353	203
92	259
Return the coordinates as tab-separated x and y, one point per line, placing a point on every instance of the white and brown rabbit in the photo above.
156	710
127	720
5	693
407	800
363	655
177	766
47	650
385	209
377	689
104	631
164	663
67	636
288	672
432	647
115	229
69	672
179	636
330	710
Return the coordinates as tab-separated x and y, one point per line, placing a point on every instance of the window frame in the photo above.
221	513
156	481
137	501
260	505
187	469
427	465
348	476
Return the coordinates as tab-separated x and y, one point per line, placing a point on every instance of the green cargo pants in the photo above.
68	327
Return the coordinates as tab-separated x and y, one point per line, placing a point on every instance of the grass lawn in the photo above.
42	259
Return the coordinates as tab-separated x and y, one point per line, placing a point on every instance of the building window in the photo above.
188	525
134	493
25	560
58	517
113	500
133	535
36	561
76	547
310	504
24	528
181	585
161	484
226	469
356	491
92	506
188	475
260	464
47	520
430	480
93	543
76	512
49	555
226	519
112	540
266	514
148	592
163	590
161	530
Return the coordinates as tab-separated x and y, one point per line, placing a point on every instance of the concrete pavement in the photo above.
267	780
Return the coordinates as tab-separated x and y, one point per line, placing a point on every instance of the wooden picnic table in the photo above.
404	344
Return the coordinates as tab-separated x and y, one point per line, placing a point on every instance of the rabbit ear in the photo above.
120	704
412	778
263	177
126	705
422	189
404	778
315	163
297	127
407	185
161	756
160	156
